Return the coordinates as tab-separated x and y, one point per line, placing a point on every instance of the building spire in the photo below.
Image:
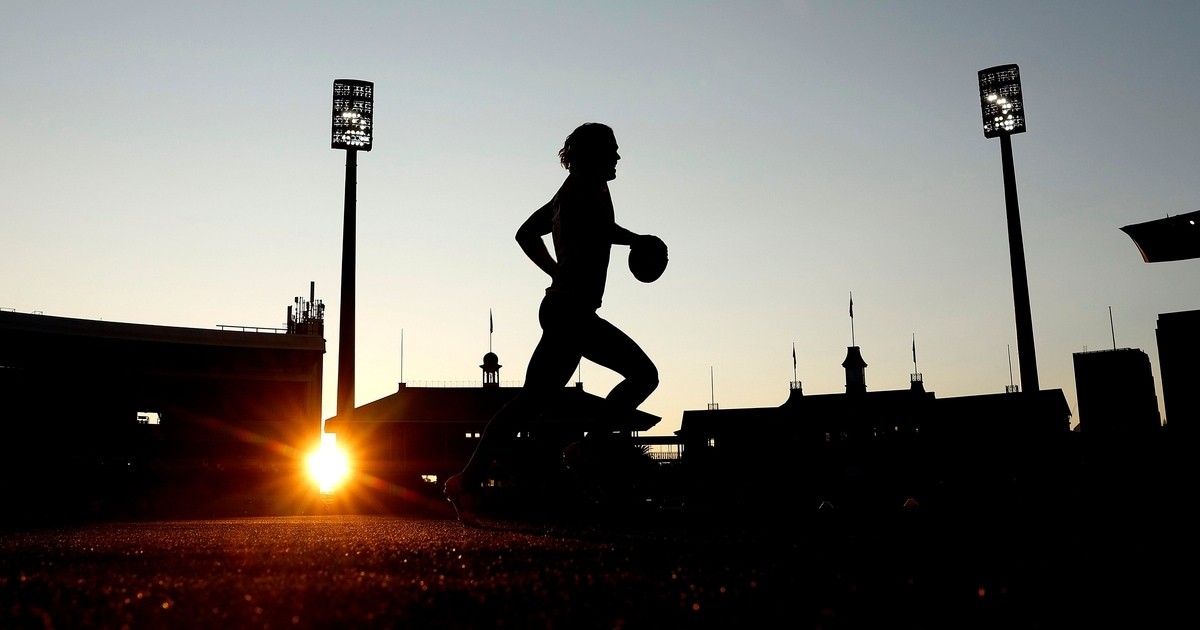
856	373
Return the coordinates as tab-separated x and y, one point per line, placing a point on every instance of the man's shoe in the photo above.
465	502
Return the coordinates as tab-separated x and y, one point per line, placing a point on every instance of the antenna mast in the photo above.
1111	328
712	396
1012	387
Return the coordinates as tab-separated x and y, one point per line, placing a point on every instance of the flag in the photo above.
793	356
852	305
914	349
491	327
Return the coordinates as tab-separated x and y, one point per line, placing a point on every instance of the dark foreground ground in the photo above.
655	570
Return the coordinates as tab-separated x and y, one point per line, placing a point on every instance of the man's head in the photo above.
591	148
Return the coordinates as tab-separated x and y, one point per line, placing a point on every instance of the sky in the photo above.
170	164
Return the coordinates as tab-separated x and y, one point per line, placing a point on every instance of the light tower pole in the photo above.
1004	115
353	105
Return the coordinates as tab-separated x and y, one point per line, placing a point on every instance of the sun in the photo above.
328	465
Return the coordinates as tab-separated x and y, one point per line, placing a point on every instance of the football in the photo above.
648	258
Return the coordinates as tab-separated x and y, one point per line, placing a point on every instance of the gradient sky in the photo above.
169	163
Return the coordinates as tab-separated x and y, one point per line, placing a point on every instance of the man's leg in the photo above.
606	345
550	368
547	371
607	464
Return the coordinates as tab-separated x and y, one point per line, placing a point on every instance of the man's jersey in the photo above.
582	226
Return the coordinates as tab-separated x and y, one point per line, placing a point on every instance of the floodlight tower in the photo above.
353	105
1003	115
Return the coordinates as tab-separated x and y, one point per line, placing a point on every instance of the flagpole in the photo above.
852	318
794	363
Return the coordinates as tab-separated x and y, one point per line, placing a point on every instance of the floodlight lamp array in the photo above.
353	105
1001	101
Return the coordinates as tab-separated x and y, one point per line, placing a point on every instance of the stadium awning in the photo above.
1172	238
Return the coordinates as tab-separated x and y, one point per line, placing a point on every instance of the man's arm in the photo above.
622	236
529	237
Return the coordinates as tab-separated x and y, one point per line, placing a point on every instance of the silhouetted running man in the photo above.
581	219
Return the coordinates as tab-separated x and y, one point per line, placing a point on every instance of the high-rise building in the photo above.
1115	391
1178	337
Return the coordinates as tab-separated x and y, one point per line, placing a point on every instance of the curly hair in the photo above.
584	140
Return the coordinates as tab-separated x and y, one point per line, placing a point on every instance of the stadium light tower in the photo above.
353	105
1003	115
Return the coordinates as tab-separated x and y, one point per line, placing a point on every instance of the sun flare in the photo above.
328	465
